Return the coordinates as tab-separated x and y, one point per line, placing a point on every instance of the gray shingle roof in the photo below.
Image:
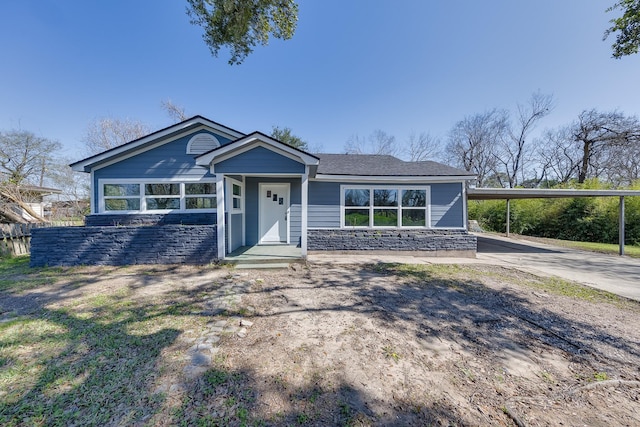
382	165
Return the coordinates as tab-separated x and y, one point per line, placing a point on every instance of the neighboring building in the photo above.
220	189
31	197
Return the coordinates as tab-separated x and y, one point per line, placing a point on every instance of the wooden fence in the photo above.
16	238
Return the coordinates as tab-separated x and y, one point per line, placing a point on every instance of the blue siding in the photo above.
251	212
235	241
166	161
447	205
324	205
259	160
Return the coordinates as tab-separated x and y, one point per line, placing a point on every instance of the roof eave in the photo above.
394	178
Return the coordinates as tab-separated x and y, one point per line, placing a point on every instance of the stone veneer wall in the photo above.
109	245
435	241
151	219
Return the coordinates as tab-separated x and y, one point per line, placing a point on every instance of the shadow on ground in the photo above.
91	350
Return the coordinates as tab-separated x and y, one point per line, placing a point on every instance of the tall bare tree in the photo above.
473	142
595	145
25	160
513	152
422	146
109	132
379	142
25	157
175	111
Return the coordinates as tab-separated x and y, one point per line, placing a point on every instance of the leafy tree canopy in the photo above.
240	25
285	135
626	28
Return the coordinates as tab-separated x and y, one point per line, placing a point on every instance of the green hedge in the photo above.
589	219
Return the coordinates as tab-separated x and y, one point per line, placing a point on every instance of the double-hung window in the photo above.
384	207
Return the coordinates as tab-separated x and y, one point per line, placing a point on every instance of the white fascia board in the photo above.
264	175
133	153
250	142
248	147
117	152
390	179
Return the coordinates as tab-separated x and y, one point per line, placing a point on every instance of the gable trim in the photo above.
247	148
150	147
256	139
182	128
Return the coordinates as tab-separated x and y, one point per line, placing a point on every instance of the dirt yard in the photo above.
441	345
383	345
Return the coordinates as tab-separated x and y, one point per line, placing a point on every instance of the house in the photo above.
204	190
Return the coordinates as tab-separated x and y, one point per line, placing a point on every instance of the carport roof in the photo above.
557	193
538	193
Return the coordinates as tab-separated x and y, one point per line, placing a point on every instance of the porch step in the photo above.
260	266
265	255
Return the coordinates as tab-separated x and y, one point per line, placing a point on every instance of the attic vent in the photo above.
201	143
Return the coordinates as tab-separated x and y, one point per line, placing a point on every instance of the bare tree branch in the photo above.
108	132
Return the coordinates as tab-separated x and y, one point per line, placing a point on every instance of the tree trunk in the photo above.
586	156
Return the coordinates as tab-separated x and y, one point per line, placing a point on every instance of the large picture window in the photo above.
385	207
157	196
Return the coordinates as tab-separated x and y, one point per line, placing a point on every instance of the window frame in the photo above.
186	196
399	208
233	196
142	196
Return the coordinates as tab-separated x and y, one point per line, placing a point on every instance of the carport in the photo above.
509	194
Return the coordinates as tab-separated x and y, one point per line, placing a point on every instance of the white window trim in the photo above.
143	208
398	208
230	208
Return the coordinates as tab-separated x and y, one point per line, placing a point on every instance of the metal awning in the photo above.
509	194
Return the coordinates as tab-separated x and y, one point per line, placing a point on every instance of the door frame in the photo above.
261	205
230	211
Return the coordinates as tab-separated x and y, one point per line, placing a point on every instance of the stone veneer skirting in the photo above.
426	241
125	245
194	218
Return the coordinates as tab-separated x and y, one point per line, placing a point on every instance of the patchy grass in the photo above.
455	275
100	346
14	274
92	361
566	288
603	248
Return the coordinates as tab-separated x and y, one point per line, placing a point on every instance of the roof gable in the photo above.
153	140
250	142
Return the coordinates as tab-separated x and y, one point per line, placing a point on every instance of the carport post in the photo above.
508	215
621	226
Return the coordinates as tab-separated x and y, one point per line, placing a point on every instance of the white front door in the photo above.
273	205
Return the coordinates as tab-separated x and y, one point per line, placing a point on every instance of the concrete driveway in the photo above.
616	274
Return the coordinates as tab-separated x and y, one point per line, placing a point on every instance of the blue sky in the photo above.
353	66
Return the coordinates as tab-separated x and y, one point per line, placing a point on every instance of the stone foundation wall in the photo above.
150	219
166	244
451	241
